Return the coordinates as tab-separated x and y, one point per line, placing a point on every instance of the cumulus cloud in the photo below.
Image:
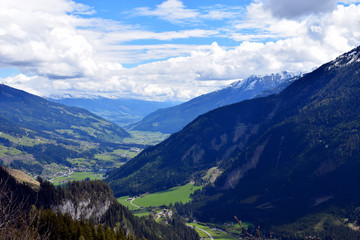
295	9
349	1
303	45
176	12
170	10
61	52
333	32
41	37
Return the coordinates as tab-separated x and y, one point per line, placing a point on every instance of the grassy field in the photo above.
24	141
4	151
235	228
141	212
127	204
154	200
77	176
147	138
125	153
176	194
215	233
24	178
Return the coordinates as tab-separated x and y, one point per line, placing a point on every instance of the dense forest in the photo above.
41	214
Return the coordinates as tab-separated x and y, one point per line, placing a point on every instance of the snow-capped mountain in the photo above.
173	119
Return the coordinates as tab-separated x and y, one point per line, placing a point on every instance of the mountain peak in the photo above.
346	59
173	119
249	83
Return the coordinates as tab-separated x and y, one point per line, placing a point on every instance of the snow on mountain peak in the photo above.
346	59
251	82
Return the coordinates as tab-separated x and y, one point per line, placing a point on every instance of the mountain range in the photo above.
173	119
269	159
120	111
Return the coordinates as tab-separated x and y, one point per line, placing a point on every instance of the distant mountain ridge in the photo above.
173	119
272	159
118	110
27	111
43	137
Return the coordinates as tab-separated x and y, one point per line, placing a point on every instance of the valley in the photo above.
84	160
179	120
156	204
117	110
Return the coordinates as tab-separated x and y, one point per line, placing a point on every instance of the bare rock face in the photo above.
84	209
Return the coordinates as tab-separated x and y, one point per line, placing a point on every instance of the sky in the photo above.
166	50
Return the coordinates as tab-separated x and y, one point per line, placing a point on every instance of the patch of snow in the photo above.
237	84
268	80
346	59
251	86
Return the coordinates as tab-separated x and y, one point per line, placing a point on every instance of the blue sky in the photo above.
146	15
166	49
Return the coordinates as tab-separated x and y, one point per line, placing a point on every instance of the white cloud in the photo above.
53	7
349	1
295	9
63	52
41	37
170	10
221	12
176	12
303	45
118	37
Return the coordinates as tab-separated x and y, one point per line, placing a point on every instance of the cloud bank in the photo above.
59	50
296	9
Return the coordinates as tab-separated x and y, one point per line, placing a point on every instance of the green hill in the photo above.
36	116
46	138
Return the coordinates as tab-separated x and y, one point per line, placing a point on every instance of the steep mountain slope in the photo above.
35	114
173	119
297	149
120	111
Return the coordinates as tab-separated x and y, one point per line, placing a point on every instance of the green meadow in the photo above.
127	204
215	233
154	200
172	195
144	137
77	176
